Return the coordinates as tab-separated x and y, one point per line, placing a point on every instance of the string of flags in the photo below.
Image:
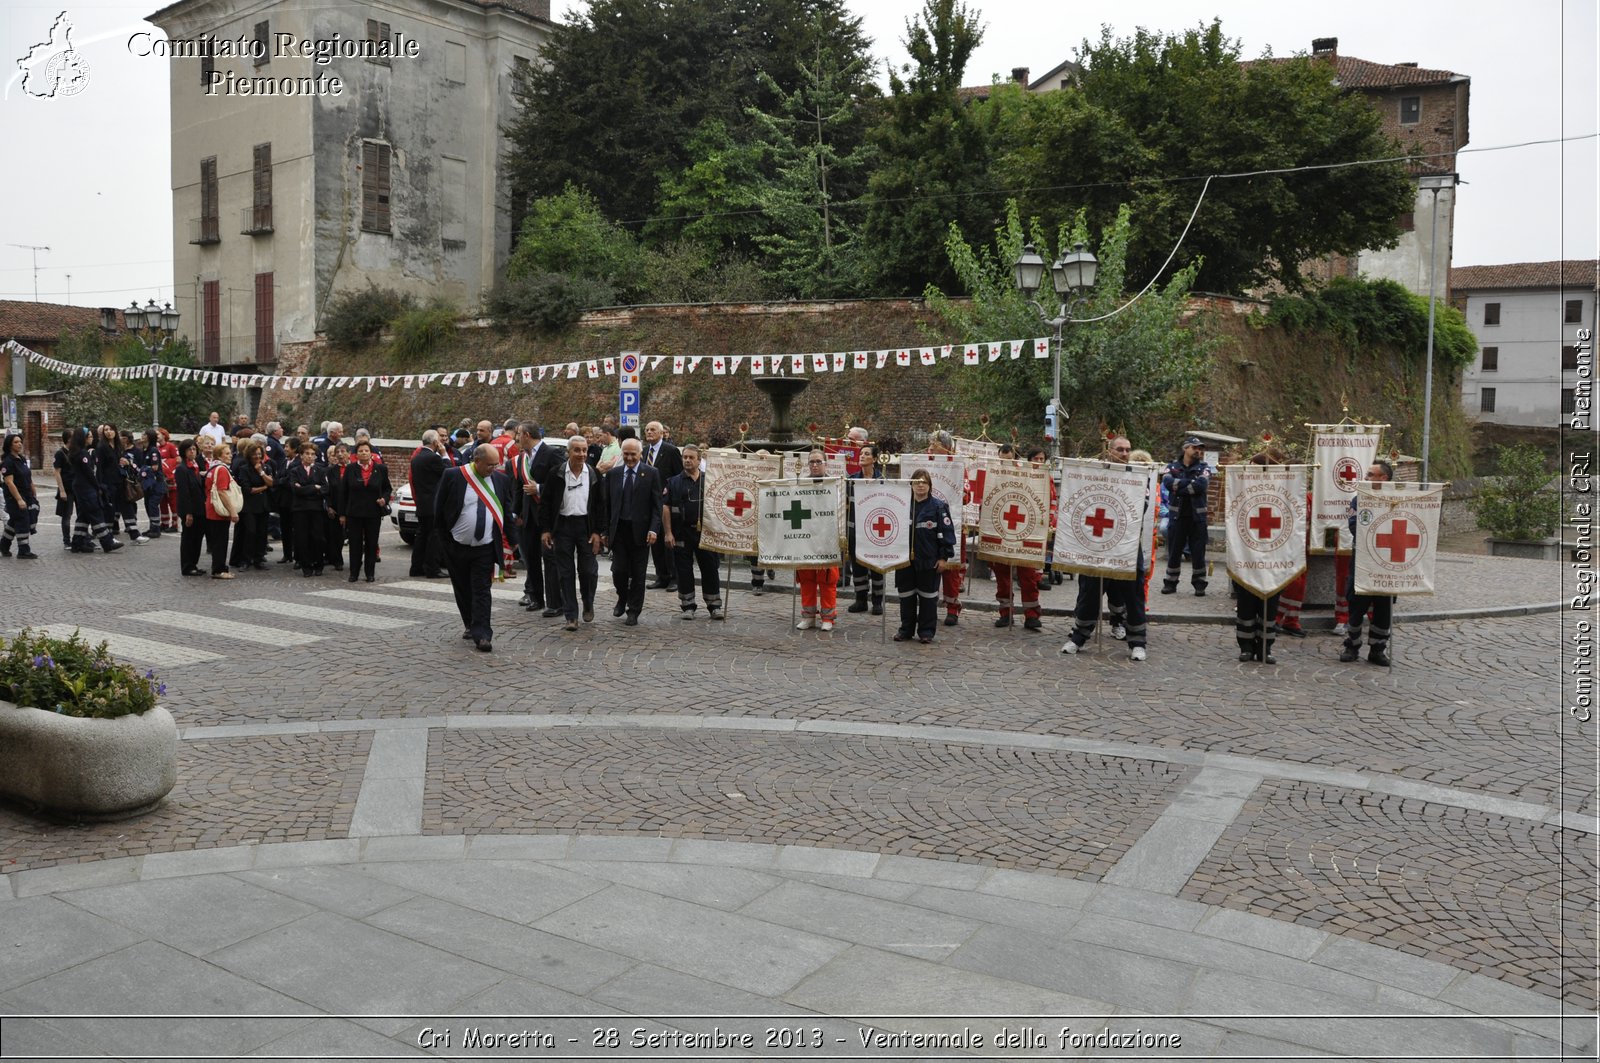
588	368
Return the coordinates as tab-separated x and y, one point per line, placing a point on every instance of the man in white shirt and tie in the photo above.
470	512
572	519
667	460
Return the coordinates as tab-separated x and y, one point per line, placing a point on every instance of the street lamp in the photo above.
1434	183
153	327
1072	276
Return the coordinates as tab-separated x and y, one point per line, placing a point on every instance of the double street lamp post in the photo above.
1072	276
153	327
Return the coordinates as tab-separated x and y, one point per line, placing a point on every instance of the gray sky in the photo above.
88	175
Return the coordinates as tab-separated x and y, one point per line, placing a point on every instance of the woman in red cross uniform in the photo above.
819	587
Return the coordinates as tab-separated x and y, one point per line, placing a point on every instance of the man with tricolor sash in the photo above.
470	513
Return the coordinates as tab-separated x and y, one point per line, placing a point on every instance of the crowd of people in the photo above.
489	497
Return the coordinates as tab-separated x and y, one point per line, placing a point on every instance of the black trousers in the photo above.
64	511
687	556
363	533
577	568
425	559
628	560
471	577
309	525
191	539
1186	531
332	541
217	544
1252	622
1125	598
666	564
535	561
249	539
919	600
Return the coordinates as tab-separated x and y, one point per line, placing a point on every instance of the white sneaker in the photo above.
1119	632
826	625
141	539
1341	629
805	624
1070	647
1136	654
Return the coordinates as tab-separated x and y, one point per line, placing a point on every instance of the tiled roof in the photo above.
1576	274
1356	73
27	321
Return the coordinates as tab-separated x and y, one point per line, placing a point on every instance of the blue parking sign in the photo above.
629	401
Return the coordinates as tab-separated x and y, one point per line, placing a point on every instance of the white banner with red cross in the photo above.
974	453
1341	453
1266	526
728	514
1015	518
883	523
947	471
800	523
1397	537
1101	518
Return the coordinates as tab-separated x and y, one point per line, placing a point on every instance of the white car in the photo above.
403	512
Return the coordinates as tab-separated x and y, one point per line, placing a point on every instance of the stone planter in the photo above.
86	768
1541	549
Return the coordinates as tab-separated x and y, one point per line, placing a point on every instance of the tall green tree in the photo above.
615	102
1154	110
933	159
1123	371
716	199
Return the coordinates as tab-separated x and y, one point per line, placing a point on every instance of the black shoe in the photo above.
372	579
307	573
1044	585
1295	632
548	613
285	560
902	636
338	566
951	620
153	533
859	605
466	634
1004	621
1270	659
1033	623
1247	655
27	555
588	614
353	577
484	646
632	621
619	609
1200	591
110	545
1349	653
1169	588
877	606
317	571
1379	656
5	549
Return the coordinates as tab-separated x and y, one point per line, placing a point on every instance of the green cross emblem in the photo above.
795	515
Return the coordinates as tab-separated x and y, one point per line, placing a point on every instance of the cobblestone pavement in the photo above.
1275	791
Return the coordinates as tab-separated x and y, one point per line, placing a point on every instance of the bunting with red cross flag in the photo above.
883	523
1100	519
728	509
1266	525
1015	517
1397	537
1342	453
800	523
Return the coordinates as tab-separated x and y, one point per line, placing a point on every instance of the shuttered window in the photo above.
266	348
375	187
210	229
211	308
261	188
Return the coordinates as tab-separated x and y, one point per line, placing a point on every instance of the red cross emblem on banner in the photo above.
1397	541
882	527
1264	523
738	503
717	365
1348	473
1014	517
1099	522
1041	348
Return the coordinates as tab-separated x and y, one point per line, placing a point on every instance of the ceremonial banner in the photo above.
948	472
883	523
728	513
801	522
1015	517
1397	537
1101	518
845	451
974	452
1266	526
1342	453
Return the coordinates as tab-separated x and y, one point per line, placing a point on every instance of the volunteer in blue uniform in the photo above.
933	546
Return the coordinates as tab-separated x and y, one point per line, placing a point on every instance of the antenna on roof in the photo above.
35	248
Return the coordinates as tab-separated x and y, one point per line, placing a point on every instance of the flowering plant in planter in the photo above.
70	677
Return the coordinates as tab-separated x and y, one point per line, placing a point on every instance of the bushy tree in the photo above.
1517	502
716	199
567	233
1120	371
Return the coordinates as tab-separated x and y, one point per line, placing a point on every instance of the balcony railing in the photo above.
205	230
255	221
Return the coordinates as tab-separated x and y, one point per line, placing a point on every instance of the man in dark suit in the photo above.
667	460
633	505
572	514
533	463
470	511
428	466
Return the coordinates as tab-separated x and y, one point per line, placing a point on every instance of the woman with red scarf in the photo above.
168	452
365	501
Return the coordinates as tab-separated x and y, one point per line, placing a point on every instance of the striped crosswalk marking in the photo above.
147	651
421	605
201	625
507	591
300	611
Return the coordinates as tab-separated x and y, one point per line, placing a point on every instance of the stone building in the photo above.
322	148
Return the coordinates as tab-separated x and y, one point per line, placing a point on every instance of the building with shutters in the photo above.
322	148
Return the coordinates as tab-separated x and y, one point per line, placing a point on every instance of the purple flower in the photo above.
161	688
